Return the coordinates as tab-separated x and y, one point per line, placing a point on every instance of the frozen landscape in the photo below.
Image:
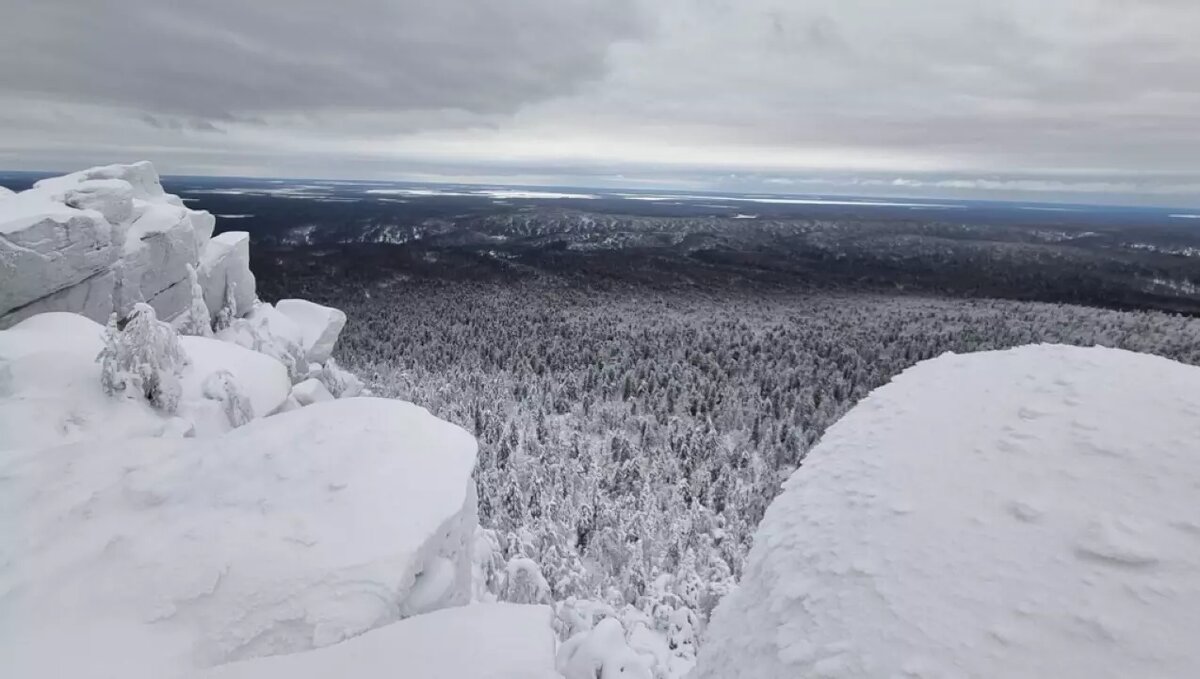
199	489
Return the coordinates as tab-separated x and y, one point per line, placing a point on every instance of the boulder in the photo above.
225	262
319	324
311	391
155	557
268	331
159	246
47	248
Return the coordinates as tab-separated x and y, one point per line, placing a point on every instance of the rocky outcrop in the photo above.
225	272
104	239
319	325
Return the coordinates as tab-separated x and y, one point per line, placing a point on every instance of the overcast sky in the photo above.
1060	99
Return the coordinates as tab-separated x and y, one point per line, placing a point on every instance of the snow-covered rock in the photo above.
97	240
485	641
224	268
341	383
155	557
262	379
270	332
50	387
319	324
1023	513
49	249
311	391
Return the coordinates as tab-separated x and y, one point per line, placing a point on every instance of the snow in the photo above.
158	557
268	331
319	326
1023	513
484	641
50	390
261	378
601	653
50	387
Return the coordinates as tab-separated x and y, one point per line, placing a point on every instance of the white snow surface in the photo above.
484	641
159	557
50	391
1022	513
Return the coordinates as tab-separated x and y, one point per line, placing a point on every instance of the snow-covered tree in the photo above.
196	320
221	386
145	358
229	310
524	583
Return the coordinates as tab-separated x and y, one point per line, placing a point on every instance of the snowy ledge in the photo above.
1023	513
149	556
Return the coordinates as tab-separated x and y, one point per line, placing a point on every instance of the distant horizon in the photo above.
1033	198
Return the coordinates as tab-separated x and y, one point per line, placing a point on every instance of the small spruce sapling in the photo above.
144	358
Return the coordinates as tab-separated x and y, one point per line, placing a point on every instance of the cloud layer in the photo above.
971	95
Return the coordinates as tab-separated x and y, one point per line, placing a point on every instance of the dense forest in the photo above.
631	436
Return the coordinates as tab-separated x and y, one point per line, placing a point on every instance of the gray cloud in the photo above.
220	59
1052	98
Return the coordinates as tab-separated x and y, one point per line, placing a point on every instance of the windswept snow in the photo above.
155	557
1023	513
485	641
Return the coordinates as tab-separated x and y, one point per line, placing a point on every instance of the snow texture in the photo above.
484	641
320	326
157	557
1022	513
97	240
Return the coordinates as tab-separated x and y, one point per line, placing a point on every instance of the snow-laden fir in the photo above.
191	486
1021	513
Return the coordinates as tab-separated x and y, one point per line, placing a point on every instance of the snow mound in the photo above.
50	389
261	378
320	326
152	557
1023	513
485	641
51	394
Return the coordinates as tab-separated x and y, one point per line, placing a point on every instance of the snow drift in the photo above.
148	557
1023	513
50	390
485	641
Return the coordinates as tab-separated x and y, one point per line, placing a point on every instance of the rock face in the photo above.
153	557
320	326
1022	513
224	268
99	241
